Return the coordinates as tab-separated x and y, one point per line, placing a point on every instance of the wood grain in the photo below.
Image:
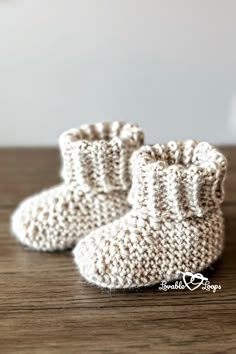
45	307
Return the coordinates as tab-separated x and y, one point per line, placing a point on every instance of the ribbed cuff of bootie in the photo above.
178	179
97	156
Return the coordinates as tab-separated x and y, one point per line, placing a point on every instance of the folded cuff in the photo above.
97	156
178	179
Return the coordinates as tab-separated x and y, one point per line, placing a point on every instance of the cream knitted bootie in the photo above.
96	173
175	225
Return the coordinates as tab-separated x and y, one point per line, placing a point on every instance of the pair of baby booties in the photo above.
137	215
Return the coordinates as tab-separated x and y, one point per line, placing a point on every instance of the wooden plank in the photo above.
45	307
26	171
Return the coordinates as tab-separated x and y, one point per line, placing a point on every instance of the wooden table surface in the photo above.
45	307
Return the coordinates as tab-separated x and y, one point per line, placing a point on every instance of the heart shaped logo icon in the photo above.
193	281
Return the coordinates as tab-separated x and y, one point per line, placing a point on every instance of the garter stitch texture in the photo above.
96	173
174	226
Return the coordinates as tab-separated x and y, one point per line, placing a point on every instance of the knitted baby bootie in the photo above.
175	225
96	173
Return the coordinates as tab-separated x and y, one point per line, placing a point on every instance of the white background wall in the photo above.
169	65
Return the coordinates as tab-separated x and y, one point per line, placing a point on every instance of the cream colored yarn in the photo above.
96	173
175	225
